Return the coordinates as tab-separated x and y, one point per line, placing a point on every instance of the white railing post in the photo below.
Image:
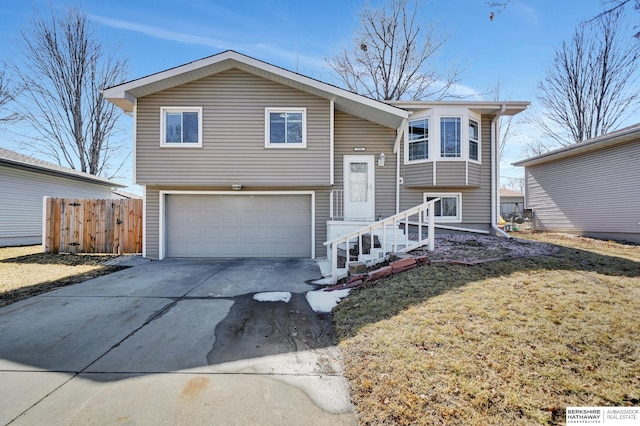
432	236
331	212
395	221
334	261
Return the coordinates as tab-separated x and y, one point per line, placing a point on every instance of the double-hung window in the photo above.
181	126
474	138
448	208
419	139
285	127
450	146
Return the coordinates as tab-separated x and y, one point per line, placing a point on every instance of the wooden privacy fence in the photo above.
78	225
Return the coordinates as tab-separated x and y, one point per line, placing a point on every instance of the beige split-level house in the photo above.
239	157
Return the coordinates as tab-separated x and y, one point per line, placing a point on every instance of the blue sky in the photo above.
298	35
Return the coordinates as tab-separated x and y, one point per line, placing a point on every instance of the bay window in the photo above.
450	137
419	139
455	136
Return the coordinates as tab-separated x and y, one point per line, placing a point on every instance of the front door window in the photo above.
358	187
358	183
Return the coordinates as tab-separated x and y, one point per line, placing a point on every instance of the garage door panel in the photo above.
238	225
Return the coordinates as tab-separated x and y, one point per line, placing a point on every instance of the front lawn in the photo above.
27	272
508	342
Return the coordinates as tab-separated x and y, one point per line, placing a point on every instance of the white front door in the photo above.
358	187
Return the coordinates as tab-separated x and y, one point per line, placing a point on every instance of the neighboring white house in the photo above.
591	188
25	180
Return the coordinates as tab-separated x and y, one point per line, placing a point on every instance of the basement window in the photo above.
449	208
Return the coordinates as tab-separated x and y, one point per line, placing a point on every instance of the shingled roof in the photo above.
12	158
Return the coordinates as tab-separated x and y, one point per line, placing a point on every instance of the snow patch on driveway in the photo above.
324	301
273	296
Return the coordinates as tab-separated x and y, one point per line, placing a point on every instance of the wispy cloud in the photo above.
161	33
265	50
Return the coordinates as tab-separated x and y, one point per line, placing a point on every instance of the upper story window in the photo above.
286	127
450	137
474	139
181	126
455	136
419	139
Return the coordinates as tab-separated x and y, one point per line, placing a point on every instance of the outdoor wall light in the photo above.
236	187
381	159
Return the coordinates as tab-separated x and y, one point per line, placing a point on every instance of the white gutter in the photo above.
331	142
397	150
495	172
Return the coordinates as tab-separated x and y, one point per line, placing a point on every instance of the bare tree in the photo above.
507	125
615	7
60	69
611	6
392	55
590	85
6	96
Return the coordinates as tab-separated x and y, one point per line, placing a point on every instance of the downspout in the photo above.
495	172
397	150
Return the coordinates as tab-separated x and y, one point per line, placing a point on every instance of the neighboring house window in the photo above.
450	137
448	208
181	126
286	127
419	139
474	139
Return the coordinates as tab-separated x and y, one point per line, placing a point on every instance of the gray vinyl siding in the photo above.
451	173
418	175
476	197
151	236
233	148
352	132
592	193
474	174
152	206
21	196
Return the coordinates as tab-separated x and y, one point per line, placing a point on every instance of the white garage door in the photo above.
238	225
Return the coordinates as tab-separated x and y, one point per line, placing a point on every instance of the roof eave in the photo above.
95	180
483	107
625	135
125	95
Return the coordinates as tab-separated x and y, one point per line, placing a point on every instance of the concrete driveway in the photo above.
178	341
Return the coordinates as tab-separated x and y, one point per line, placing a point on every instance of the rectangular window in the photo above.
448	208
450	137
474	139
419	139
181	126
285	127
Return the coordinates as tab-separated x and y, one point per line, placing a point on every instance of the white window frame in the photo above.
446	219
461	137
267	127
434	116
428	140
477	141
163	127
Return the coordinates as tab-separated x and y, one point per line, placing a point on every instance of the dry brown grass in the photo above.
26	272
510	342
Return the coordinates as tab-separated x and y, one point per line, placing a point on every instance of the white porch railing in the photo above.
336	204
400	240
